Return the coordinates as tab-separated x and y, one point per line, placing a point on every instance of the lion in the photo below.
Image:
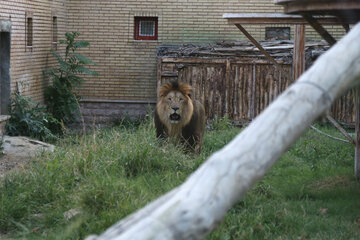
178	116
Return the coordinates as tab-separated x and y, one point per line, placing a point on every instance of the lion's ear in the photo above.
191	94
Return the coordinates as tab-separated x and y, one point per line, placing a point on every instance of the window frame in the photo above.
54	30
137	25
29	30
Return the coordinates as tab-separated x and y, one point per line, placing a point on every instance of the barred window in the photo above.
146	28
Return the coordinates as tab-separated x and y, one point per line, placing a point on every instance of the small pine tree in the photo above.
61	100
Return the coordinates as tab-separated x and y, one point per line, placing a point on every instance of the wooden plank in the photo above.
274	18
253	93
200	60
169	74
317	26
193	60
299	51
348	11
341	129
267	55
227	84
159	69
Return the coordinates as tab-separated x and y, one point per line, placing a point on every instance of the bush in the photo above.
220	123
62	102
28	118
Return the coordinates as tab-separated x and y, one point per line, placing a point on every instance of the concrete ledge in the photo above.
89	100
109	111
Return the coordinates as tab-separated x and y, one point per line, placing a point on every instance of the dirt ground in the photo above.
8	163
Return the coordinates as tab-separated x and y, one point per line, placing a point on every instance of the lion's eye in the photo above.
169	99
181	99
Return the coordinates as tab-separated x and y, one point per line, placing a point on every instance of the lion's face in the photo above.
177	106
175	109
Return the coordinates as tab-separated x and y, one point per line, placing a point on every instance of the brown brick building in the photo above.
127	66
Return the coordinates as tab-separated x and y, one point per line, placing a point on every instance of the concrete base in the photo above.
109	111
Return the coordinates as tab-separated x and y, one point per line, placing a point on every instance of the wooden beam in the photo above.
349	10
257	44
275	18
341	129
299	51
317	26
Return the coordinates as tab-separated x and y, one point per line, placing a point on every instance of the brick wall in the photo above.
127	68
27	63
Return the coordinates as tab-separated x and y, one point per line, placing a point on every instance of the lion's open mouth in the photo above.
174	118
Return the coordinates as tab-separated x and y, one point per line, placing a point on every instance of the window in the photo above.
146	28
54	30
277	33
29	32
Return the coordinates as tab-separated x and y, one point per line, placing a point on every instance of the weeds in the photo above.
28	118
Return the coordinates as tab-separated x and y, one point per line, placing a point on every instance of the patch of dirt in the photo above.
8	163
332	182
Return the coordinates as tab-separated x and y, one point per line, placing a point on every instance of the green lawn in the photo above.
310	193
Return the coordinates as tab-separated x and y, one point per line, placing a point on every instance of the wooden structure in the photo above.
341	108
231	79
276	18
316	13
234	78
348	12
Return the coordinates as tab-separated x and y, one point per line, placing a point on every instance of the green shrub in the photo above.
28	118
62	102
220	123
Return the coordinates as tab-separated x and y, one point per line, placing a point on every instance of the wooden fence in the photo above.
238	88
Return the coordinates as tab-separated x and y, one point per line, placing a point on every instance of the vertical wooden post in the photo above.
159	76
228	107
299	51
357	132
253	92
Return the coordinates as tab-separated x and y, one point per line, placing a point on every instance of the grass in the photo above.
310	193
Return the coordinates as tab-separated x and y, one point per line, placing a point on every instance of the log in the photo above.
198	206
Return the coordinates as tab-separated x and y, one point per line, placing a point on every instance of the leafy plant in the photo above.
220	123
28	118
60	98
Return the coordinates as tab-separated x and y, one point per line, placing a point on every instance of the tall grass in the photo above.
309	194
